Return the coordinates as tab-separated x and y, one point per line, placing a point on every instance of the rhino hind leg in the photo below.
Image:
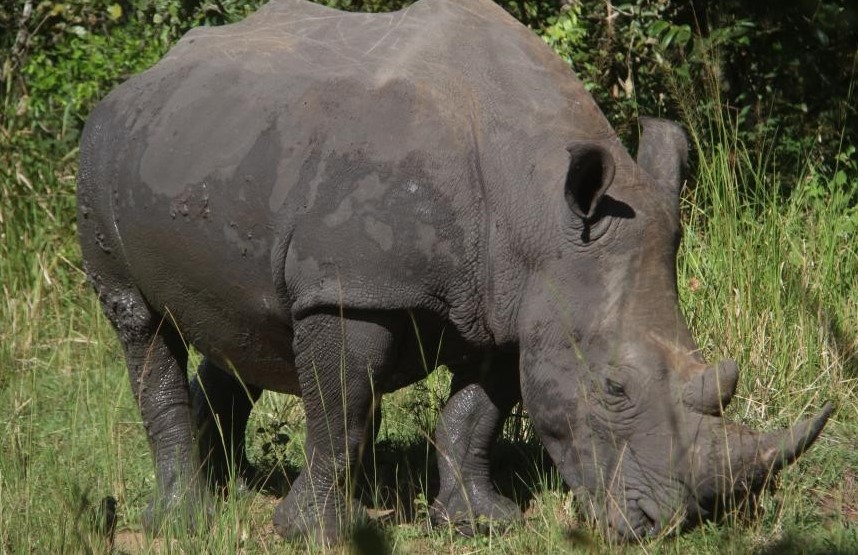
338	357
479	403
156	357
222	405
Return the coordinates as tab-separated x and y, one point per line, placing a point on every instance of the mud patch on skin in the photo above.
191	203
380	232
340	215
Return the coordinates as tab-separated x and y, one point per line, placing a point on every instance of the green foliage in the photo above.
766	60
367	5
794	74
75	74
566	33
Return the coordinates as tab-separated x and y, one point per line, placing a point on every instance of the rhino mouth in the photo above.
640	520
650	518
633	519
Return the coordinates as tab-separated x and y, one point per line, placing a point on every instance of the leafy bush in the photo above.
793	76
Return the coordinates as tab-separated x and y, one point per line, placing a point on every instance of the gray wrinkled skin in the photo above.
315	199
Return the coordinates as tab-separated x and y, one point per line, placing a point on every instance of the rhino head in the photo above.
614	383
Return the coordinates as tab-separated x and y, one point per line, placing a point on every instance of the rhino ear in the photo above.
591	172
663	152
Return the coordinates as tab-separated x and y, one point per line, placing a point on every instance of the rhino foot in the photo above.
309	514
192	511
479	511
465	435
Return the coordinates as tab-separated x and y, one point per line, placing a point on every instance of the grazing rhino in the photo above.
312	197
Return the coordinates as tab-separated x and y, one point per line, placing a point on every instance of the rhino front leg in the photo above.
479	403
156	357
222	405
337	357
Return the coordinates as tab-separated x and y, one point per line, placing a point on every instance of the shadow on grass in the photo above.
398	479
817	543
841	337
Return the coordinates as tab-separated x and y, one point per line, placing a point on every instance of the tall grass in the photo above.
770	280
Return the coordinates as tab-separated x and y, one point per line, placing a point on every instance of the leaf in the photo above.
668	38
658	27
683	35
114	11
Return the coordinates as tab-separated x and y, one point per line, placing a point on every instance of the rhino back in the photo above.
306	157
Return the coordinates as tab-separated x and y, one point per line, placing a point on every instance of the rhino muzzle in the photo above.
697	467
731	465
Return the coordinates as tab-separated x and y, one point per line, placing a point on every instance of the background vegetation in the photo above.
768	272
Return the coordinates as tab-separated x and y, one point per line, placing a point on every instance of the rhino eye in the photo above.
615	389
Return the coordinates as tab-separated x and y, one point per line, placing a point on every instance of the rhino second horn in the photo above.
711	390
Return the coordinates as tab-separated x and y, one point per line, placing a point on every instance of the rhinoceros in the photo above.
318	200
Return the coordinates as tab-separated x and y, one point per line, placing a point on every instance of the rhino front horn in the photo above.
742	465
754	457
778	449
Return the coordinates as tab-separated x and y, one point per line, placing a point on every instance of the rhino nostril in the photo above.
652	527
651	515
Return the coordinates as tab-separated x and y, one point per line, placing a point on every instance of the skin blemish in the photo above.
340	215
370	187
379	232
426	239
